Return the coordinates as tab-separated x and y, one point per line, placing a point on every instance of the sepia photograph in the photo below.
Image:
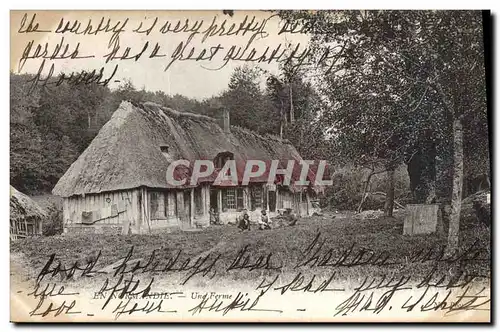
250	166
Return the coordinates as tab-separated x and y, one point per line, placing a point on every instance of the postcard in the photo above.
250	166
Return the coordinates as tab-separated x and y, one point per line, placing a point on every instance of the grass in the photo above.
286	245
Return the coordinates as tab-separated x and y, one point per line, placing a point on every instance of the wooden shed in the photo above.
26	216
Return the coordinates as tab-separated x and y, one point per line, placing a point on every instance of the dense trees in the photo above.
50	127
246	102
407	86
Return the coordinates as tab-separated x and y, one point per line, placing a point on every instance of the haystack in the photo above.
26	216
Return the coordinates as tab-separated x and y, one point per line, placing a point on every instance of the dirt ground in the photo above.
337	231
339	251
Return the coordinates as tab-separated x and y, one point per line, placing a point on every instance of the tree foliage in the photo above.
52	126
403	87
397	81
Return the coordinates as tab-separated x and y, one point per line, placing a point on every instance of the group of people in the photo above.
243	221
264	222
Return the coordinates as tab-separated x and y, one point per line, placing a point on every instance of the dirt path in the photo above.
20	286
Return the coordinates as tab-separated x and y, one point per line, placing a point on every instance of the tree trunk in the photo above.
389	198
281	126
282	111
456	199
292	114
365	192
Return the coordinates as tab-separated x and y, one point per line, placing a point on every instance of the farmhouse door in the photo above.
272	201
187	209
213	199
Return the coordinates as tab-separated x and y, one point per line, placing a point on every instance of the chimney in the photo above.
226	121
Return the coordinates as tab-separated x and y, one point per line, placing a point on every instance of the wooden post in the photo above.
219	201
180	213
141	216
205	190
191	207
267	197
295	200
308	202
206	205
276	193
300	204
246	198
145	208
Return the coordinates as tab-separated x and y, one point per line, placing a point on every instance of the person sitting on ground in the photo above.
214	217
244	222
264	222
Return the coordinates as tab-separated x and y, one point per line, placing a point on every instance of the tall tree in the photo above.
26	152
426	70
298	106
246	102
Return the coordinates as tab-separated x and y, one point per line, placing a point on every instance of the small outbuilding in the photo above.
26	216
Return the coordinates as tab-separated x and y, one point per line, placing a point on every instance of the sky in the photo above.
194	79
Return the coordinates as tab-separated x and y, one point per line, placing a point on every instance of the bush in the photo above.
475	210
53	225
347	189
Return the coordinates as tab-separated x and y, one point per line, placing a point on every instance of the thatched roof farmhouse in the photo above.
118	183
26	216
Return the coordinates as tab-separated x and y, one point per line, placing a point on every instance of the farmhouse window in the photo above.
256	197
159	205
153	204
164	151
239	198
228	199
170	205
222	158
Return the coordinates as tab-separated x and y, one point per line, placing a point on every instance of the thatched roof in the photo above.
126	152
21	206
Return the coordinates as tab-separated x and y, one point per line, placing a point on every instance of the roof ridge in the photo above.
262	136
176	113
